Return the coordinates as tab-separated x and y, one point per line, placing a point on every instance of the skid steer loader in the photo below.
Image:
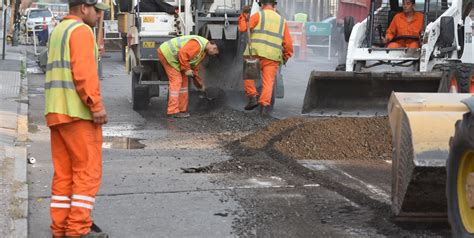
433	158
362	86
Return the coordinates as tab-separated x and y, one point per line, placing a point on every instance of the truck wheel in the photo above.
140	94
460	178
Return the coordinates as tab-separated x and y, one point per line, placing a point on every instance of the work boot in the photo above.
264	111
181	115
95	232
251	104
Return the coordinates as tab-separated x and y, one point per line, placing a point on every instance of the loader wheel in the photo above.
140	94
341	67
454	76
465	74
460	179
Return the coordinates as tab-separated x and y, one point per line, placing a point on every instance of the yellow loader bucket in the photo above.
361	94
422	125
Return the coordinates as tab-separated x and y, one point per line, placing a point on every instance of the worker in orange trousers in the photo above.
181	58
406	23
74	113
271	44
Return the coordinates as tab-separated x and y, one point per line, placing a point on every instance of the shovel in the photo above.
203	94
251	64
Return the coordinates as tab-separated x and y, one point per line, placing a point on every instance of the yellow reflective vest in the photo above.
60	93
267	36
170	50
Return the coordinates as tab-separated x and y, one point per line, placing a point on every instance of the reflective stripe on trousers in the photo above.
77	160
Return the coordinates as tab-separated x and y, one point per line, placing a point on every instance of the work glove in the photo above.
189	73
246	9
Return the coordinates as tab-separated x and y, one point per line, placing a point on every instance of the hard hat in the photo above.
261	2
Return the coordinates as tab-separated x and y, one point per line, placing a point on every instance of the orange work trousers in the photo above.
404	44
269	70
77	159
178	89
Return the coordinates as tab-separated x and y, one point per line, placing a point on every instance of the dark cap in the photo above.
96	3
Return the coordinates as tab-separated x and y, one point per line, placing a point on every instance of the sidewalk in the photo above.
13	138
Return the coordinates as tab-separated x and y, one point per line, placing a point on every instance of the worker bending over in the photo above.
271	44
181	57
75	114
406	23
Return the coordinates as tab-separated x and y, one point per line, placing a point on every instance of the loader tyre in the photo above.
464	74
140	94
459	166
341	67
453	74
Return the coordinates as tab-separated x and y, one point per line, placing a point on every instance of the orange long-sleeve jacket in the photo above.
188	52
400	26
84	71
255	18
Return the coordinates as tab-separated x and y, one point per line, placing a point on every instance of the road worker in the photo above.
74	113
406	23
271	44
181	57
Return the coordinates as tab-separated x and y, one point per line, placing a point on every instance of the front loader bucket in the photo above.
361	94
421	124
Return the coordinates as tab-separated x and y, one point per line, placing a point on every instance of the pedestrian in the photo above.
271	44
181	57
75	114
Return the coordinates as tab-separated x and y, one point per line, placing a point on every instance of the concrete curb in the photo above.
20	190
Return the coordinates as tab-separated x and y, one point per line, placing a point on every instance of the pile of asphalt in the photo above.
325	139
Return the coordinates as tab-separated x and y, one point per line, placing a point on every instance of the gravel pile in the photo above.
325	139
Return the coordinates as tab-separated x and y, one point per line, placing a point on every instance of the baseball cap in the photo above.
96	3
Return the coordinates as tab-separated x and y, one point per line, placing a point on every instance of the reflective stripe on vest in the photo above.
267	36
171	48
60	93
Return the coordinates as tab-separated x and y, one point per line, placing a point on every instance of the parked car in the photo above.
34	18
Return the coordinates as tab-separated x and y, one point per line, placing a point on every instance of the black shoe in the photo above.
95	228
251	104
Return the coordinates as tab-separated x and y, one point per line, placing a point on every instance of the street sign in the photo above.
318	28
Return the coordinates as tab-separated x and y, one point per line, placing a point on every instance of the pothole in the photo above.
115	142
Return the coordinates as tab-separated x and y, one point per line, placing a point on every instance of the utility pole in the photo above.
4	12
16	20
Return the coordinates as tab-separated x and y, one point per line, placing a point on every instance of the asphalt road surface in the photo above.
146	193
